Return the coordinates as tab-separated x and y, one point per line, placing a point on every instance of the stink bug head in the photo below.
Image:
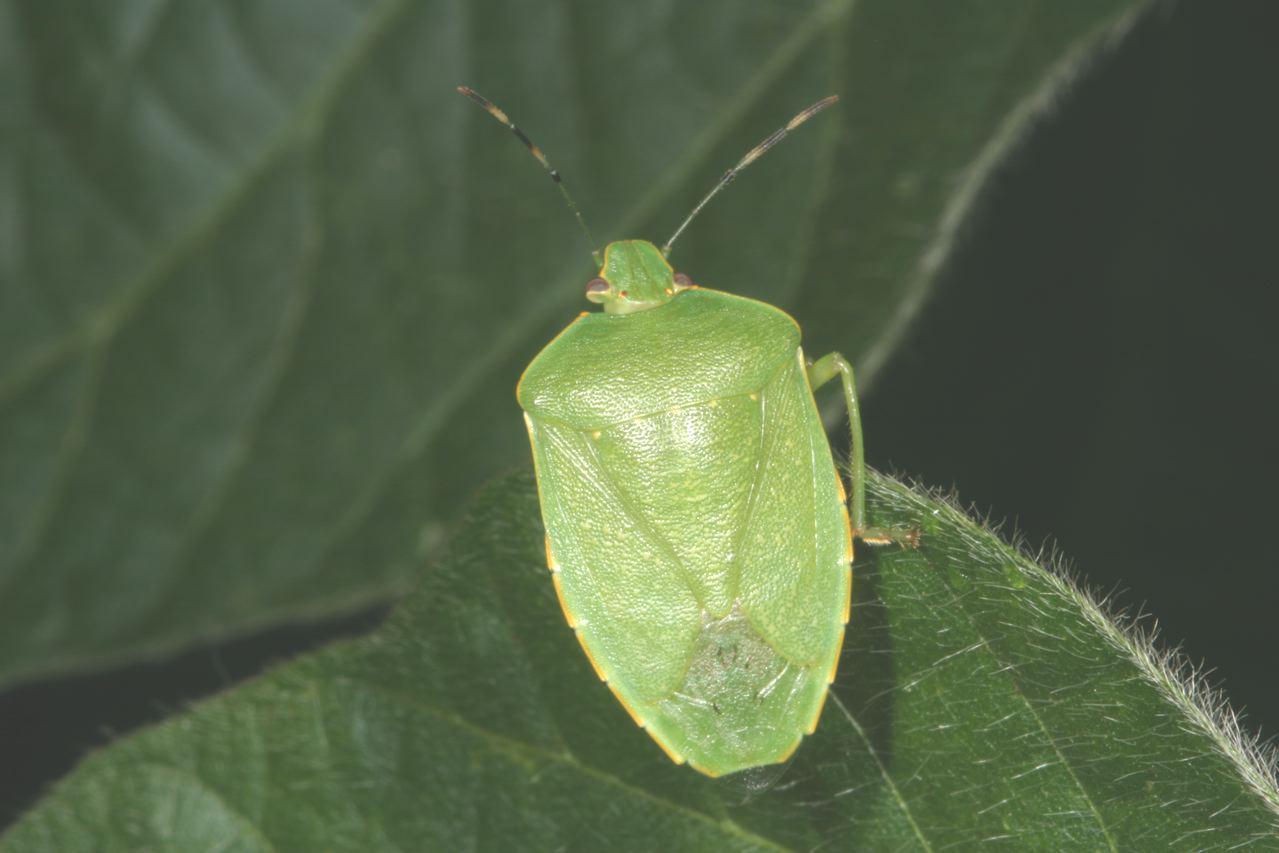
634	276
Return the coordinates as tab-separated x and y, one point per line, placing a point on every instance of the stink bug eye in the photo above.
719	638
596	289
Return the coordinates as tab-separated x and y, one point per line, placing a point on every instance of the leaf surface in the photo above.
979	699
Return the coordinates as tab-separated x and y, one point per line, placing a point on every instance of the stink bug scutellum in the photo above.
697	531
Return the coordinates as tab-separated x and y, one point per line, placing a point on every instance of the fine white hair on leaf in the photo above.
1134	635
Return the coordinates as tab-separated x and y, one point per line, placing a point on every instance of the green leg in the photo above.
819	373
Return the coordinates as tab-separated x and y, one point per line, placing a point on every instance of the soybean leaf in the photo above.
980	698
266	282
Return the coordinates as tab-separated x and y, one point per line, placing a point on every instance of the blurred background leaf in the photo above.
265	304
252	357
980	699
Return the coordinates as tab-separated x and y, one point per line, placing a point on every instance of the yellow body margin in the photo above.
844	616
559	594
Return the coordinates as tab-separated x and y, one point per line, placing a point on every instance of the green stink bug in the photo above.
697	530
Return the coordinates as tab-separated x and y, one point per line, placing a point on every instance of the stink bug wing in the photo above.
620	587
684	471
794	575
758	677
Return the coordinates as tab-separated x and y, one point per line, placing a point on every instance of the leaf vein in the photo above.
1010	669
195	779
502	744
883	772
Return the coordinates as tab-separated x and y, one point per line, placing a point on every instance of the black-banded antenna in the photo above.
493	110
751	156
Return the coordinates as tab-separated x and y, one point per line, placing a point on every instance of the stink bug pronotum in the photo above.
697	531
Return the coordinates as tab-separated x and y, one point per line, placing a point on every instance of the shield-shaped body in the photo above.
696	526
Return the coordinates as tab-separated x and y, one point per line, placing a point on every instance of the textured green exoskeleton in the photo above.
696	526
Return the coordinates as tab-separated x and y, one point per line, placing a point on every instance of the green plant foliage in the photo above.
250	361
980	698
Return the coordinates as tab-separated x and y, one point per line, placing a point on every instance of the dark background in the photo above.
1115	366
1111	383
